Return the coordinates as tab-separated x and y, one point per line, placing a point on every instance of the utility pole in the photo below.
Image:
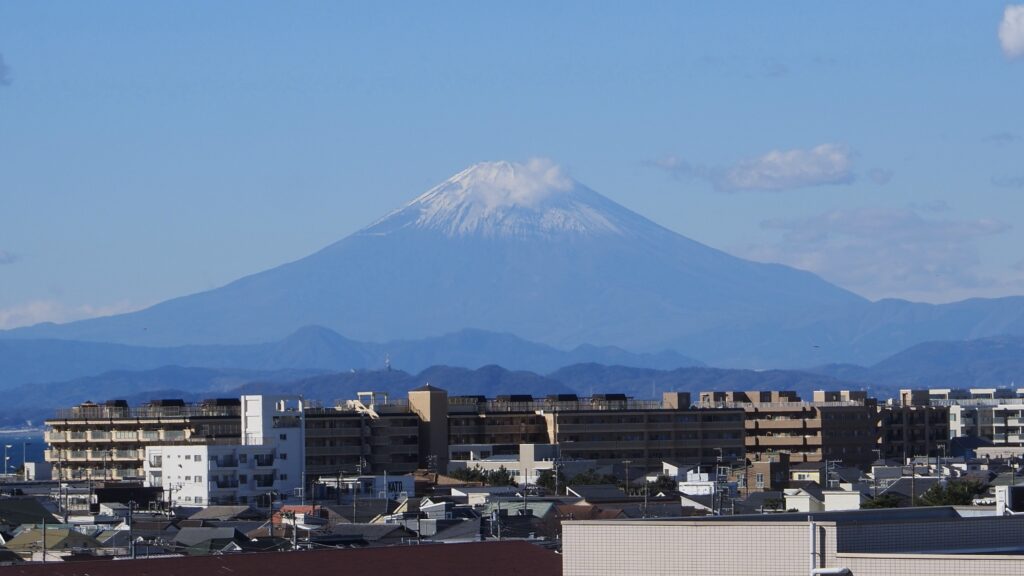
44	539
131	539
626	463
24	461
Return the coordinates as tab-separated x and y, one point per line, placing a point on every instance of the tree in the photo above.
499	477
952	493
592	477
883	501
546	480
662	484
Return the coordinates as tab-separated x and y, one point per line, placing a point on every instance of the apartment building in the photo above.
108	441
908	431
265	462
839	425
604	428
992	414
373	434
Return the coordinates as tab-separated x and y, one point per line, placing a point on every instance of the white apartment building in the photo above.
263	465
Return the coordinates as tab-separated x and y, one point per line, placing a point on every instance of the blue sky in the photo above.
150	150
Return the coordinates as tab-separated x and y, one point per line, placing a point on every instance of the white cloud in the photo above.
882	252
1011	31
778	170
37	311
789	169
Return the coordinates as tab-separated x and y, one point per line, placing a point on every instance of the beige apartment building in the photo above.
108	441
840	425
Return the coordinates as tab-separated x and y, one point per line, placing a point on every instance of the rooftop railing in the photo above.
782	405
139	412
581	405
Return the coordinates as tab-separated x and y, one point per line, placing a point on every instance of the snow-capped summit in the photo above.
508	199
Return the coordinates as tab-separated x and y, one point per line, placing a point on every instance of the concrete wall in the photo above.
931	564
652	548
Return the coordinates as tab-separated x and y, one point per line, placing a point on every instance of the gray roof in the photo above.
904	486
368	532
226	513
597	491
192	536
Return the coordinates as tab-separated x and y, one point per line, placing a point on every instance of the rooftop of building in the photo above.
500	559
880	515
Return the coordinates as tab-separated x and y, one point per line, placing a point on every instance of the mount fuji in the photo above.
526	250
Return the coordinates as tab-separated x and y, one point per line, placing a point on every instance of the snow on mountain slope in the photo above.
504	199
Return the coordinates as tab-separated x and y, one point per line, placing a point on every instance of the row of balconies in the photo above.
91	473
134	436
779	440
92	455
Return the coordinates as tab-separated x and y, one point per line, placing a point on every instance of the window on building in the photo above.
284	476
759	479
199	499
188	478
243	458
284	436
199	458
199	478
188	456
282	456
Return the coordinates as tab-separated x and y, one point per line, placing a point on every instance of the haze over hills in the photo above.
310	348
525	250
996	362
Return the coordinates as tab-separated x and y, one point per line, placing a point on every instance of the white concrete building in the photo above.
524	461
265	464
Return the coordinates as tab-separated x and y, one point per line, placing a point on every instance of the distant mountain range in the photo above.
983	363
988	362
310	348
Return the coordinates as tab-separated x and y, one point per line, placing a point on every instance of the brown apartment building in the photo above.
840	425
606	428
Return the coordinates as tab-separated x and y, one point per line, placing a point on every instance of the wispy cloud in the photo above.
1008	181
1002	138
1011	31
883	252
7	257
880	176
775	171
5	72
36	311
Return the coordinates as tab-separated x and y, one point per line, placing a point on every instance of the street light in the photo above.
24	460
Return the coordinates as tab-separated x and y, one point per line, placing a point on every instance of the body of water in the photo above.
33	443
